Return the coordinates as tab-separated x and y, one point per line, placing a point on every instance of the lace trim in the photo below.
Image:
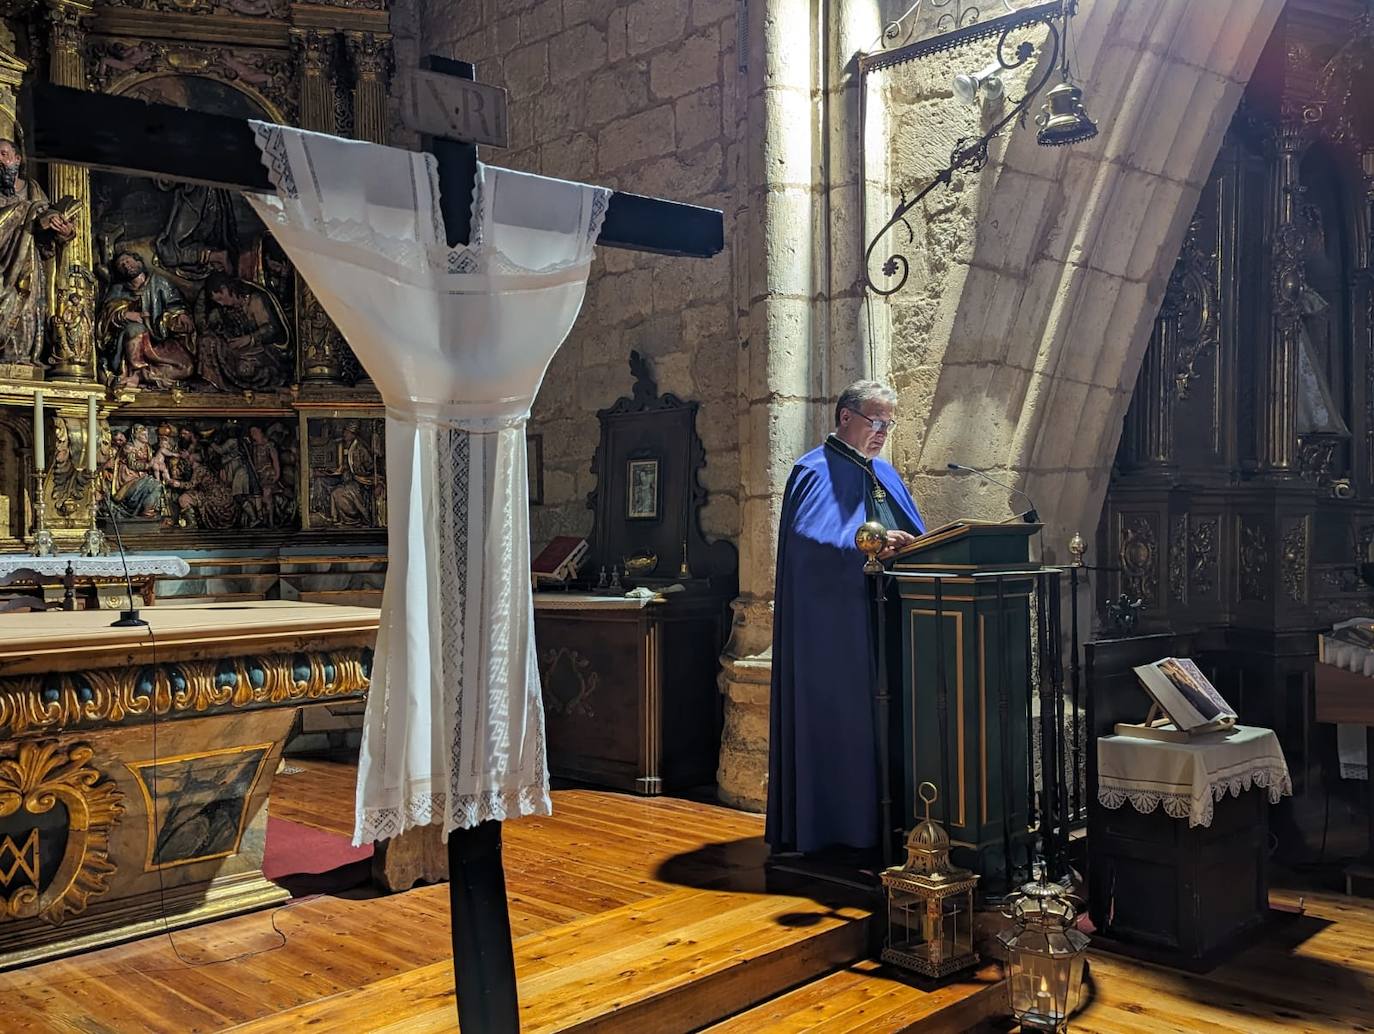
1354	770
427	809
473	258
455	459
271	143
1199	812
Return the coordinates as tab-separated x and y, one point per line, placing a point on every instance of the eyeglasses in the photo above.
878	426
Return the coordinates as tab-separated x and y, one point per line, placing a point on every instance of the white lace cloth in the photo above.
1187	779
457	340
16	566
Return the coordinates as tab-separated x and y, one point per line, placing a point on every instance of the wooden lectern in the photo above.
963	611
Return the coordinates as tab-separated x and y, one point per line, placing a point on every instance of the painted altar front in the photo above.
136	763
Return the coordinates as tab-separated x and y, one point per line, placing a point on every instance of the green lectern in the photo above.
963	625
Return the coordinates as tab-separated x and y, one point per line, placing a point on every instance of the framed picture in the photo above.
641	490
534	450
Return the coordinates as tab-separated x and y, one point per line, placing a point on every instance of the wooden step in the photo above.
869	998
672	963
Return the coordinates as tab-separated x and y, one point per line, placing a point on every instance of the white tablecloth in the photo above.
1189	778
19	567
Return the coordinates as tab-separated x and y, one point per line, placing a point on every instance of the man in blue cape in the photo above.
822	758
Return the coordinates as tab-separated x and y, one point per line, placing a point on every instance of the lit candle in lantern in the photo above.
39	459
92	432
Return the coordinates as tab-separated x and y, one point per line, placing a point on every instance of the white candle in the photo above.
92	432
40	461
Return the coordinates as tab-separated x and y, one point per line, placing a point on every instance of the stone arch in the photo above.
1049	312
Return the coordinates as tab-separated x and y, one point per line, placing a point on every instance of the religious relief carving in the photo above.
208	474
196	805
1191	302
1254	560
569	683
56	816
1293	560
347	488
138	68
324	353
1202	574
1345	84
195	293
33	236
1178	559
1138	559
32	704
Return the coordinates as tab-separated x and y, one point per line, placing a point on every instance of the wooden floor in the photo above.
637	915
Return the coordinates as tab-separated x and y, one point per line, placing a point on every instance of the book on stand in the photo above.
559	561
1184	703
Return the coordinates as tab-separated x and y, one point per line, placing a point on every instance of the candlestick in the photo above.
42	537
92	433
40	461
93	542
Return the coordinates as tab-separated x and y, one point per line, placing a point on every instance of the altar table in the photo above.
136	572
112	823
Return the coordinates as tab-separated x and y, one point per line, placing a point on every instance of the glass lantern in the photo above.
1045	956
929	903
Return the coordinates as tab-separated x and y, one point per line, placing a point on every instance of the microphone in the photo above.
127	618
1030	516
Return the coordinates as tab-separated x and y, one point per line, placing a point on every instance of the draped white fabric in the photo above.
457	341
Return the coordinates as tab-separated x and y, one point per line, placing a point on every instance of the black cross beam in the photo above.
121	134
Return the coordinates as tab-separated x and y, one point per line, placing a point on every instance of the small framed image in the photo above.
641	490
534	449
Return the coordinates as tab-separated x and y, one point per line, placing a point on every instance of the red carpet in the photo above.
293	849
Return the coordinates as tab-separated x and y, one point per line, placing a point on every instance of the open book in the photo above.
560	559
1189	701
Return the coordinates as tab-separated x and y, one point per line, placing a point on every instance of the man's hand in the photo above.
896	540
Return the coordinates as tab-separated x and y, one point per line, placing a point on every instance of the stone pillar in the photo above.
778	378
322	347
74	360
369	53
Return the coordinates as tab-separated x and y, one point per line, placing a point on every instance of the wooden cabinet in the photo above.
630	696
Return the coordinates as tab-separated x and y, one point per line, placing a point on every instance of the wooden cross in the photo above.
120	134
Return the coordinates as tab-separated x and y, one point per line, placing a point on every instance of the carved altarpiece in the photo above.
1241	509
172	305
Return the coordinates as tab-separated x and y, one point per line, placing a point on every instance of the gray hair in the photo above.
860	392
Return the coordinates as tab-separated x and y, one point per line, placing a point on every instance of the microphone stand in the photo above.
127	618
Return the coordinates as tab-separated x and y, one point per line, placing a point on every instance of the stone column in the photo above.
322	348
67	21
778	379
369	53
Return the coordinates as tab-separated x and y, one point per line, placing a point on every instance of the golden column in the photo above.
322	347
71	294
370	55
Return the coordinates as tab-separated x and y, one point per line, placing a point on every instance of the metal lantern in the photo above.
929	903
1045	956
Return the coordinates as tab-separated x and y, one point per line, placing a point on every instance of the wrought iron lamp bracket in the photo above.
970	154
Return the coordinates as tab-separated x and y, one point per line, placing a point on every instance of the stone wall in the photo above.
1040	276
639	96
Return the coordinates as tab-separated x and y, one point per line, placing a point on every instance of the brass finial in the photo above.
1077	547
871	539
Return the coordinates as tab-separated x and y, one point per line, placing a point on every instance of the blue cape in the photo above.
822	762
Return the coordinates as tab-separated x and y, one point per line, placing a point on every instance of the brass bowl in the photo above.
641	563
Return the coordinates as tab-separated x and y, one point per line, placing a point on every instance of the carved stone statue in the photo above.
30	231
